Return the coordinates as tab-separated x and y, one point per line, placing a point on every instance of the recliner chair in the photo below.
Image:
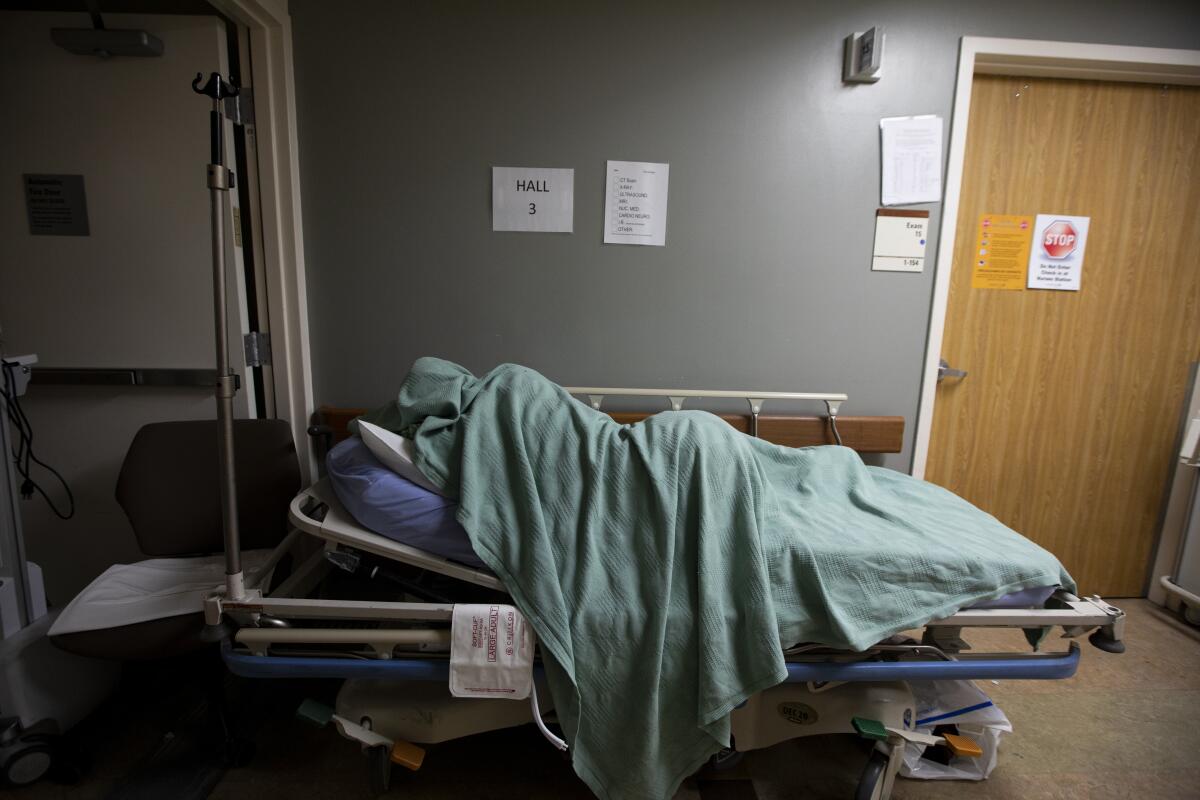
169	489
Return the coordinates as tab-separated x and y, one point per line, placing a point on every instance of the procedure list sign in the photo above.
56	205
635	204
533	199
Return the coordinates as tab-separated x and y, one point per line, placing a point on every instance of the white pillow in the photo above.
394	452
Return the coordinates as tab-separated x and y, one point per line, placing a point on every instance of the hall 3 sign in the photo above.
532	199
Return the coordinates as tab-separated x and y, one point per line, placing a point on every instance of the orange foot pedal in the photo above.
962	746
407	754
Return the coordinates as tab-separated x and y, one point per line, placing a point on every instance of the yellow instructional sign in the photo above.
1001	253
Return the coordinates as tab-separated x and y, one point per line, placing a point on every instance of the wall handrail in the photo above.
122	376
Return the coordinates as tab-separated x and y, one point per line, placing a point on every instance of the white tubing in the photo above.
537	717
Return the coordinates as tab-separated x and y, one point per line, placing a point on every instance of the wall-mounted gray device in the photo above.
863	62
99	41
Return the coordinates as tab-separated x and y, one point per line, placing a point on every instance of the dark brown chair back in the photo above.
169	485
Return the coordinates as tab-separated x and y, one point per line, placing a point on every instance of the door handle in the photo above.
946	371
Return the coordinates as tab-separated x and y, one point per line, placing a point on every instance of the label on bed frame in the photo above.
491	652
798	713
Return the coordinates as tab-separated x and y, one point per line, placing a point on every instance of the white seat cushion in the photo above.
148	590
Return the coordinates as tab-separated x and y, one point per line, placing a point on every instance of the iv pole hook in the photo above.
217	87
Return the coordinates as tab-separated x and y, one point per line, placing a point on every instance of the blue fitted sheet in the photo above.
395	507
1026	598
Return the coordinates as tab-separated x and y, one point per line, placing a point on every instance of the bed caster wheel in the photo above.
725	759
1191	614
870	784
1103	640
379	769
27	765
26	754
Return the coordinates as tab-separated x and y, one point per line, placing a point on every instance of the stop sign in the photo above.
1060	239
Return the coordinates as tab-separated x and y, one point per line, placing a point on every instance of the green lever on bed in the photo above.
870	729
316	713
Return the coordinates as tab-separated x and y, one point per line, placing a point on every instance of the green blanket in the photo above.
664	564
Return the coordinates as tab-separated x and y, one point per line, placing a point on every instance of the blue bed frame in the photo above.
1030	667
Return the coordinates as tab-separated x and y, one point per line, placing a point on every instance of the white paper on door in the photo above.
1056	258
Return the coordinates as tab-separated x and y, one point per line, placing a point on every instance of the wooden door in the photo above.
1064	425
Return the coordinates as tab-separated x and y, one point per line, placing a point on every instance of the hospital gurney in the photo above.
405	644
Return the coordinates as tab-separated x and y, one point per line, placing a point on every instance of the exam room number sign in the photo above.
532	199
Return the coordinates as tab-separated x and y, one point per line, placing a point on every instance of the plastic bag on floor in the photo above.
962	704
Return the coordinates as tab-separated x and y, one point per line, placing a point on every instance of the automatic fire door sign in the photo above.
1056	258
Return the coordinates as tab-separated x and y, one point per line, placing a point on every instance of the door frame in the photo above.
272	76
1033	59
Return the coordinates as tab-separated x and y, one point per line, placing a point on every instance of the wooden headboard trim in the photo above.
864	434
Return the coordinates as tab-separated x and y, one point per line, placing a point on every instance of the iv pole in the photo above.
220	179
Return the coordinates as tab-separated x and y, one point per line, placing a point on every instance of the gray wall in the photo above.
765	281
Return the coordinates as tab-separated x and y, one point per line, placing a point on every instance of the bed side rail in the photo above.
316	511
1075	615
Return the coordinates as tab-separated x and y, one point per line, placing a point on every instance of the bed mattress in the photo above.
393	506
